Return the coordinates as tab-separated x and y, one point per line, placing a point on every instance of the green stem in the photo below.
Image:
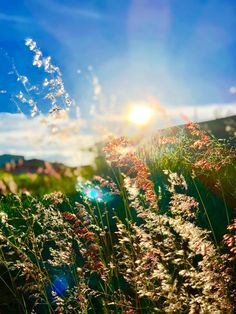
205	210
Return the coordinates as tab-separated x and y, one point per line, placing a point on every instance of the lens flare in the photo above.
140	114
93	194
60	285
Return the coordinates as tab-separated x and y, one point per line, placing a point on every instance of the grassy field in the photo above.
151	229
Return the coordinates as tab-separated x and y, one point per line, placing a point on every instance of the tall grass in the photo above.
143	240
152	232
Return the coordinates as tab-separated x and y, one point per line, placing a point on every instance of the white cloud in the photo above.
13	18
232	90
70	10
200	113
32	139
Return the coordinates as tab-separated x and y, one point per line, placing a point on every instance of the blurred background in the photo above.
130	66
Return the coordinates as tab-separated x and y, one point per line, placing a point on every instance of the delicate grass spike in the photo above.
52	88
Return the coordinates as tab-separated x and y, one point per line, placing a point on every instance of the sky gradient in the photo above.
180	52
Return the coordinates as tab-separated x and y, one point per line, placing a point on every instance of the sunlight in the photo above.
140	114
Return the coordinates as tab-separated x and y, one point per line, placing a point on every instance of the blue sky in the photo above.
182	52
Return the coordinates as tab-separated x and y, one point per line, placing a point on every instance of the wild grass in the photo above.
36	184
146	236
152	232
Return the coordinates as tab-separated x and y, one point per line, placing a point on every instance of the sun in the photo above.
140	114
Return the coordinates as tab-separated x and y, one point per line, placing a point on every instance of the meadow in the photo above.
150	228
152	231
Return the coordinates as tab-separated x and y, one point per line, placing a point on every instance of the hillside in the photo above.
222	128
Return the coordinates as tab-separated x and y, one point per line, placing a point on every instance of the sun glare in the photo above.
140	114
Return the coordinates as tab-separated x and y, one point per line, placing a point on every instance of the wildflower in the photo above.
205	164
79	271
167	140
90	236
182	205
3	218
69	216
210	155
230	239
118	151
105	183
99	265
174	180
83	230
55	197
77	222
94	247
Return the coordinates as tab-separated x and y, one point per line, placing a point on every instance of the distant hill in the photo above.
9	158
222	128
18	164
